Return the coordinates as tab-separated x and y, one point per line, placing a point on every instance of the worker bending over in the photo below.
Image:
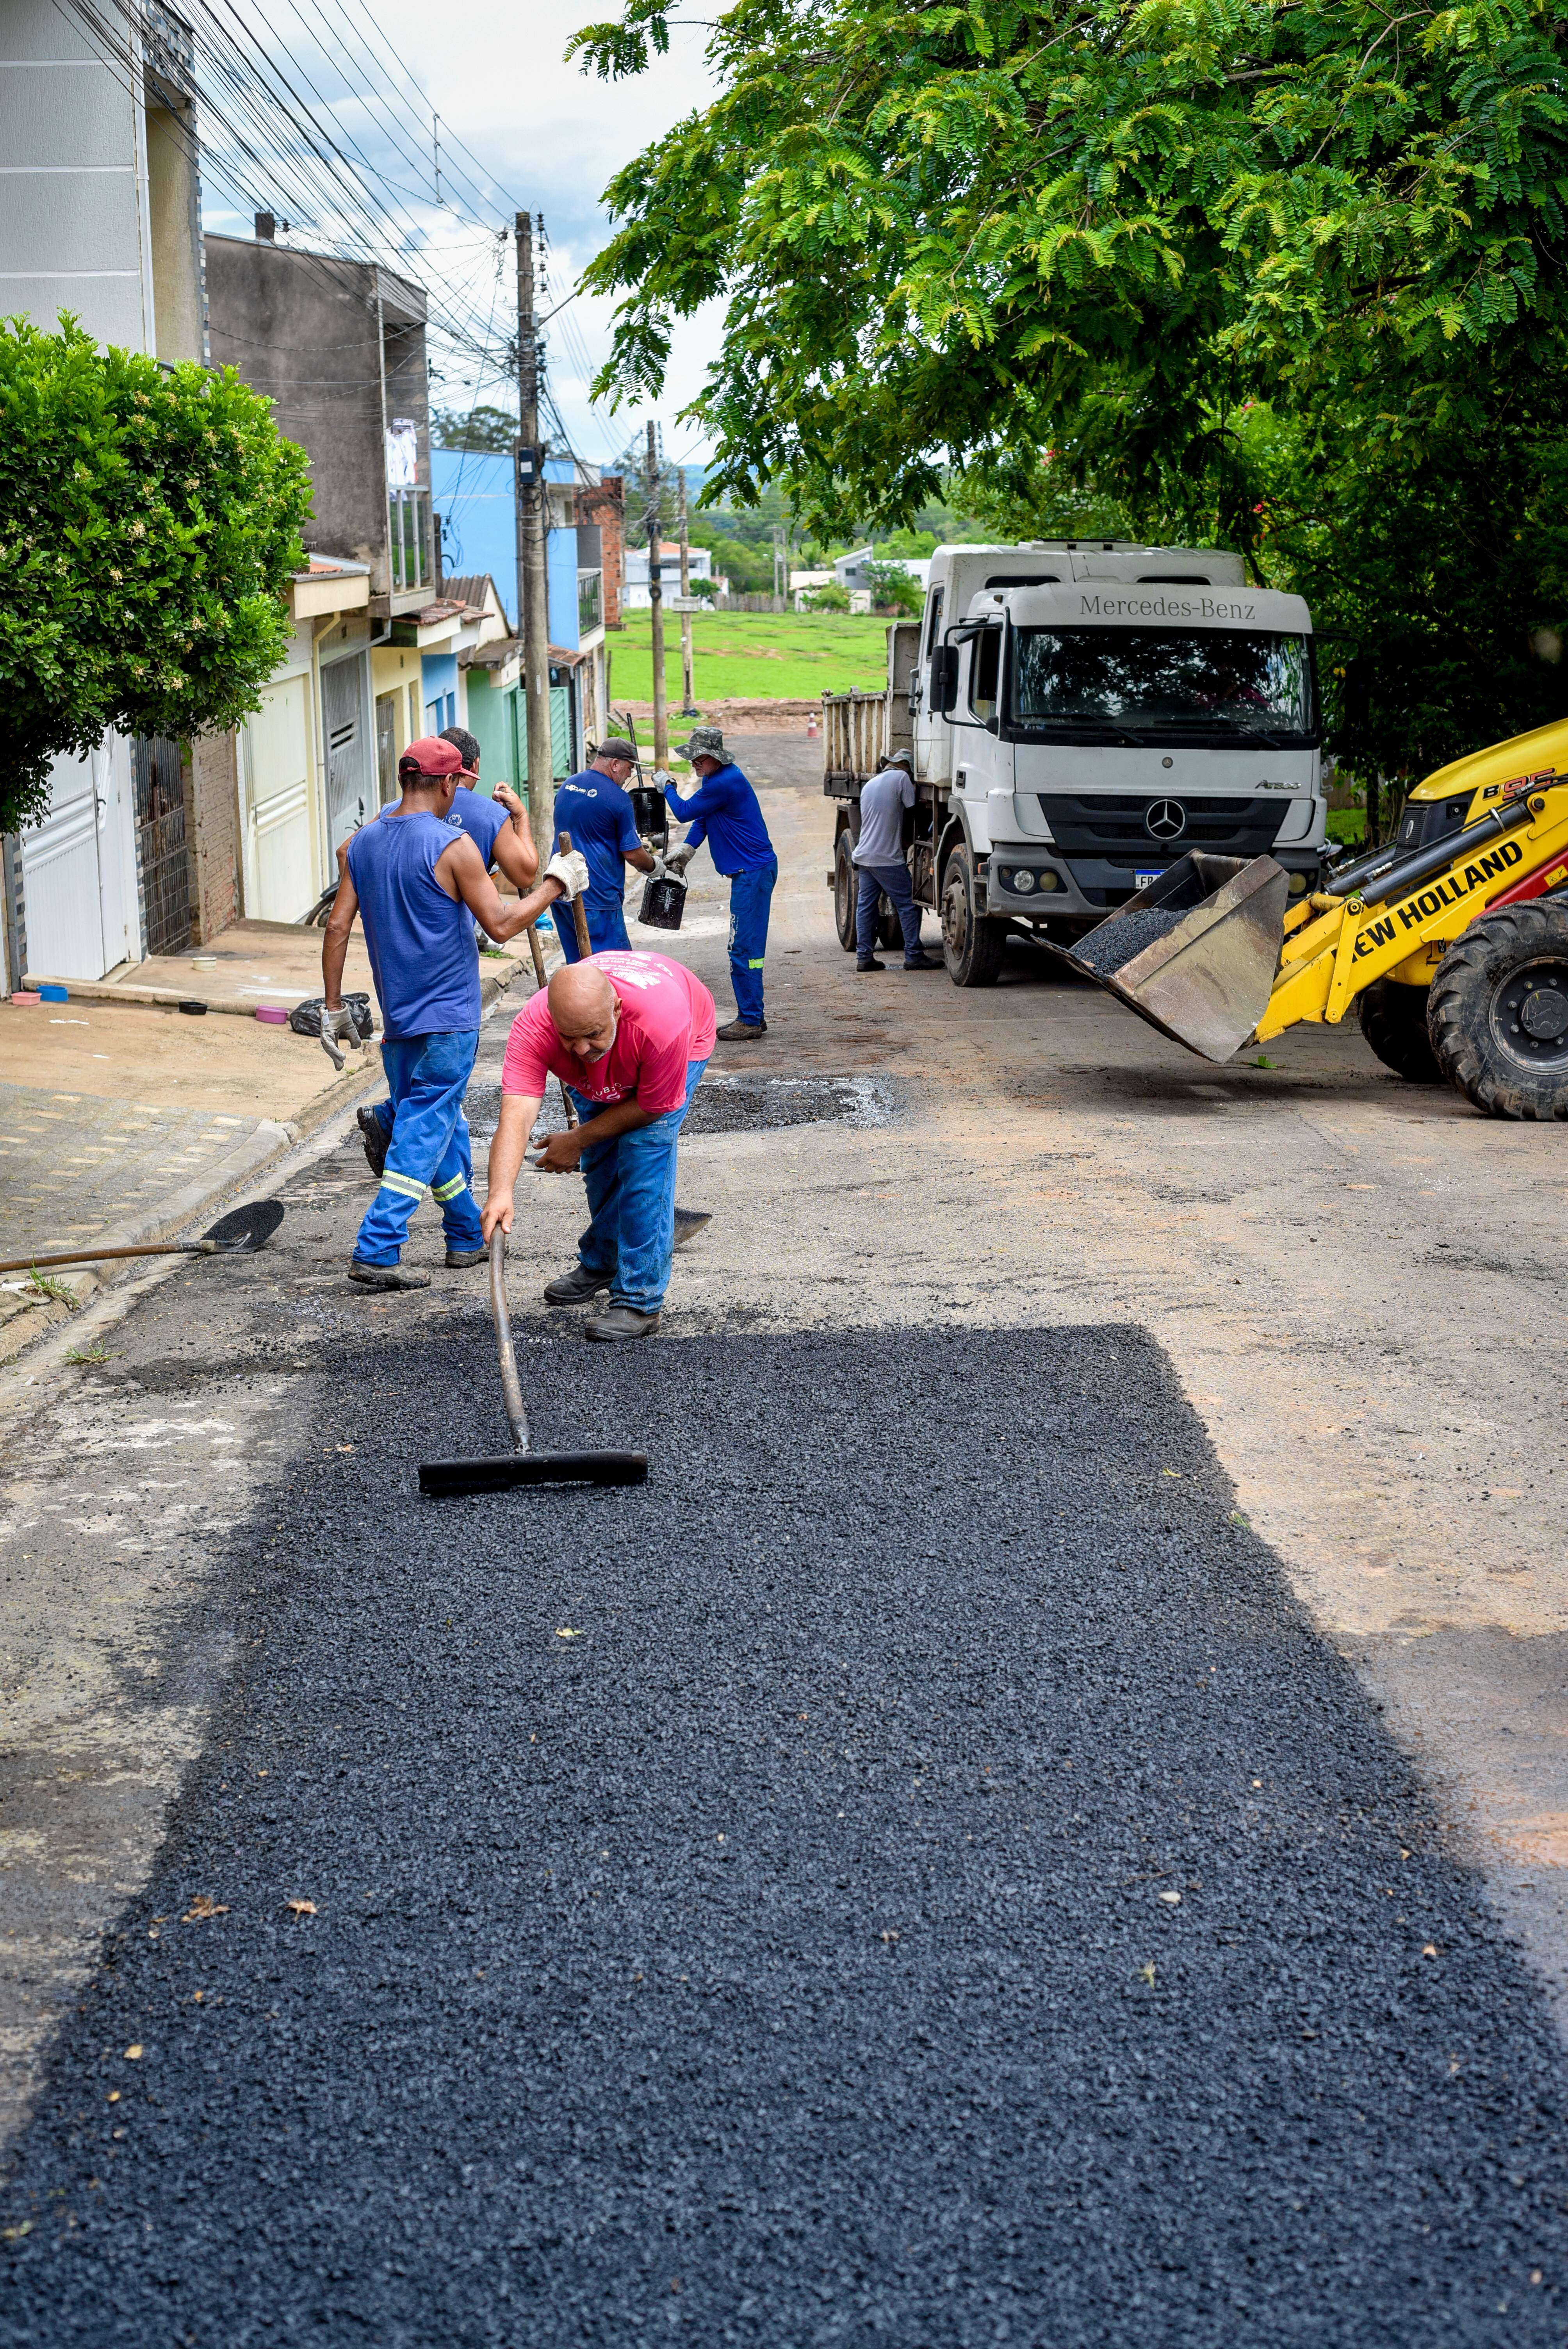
422	886
595	809
725	814
499	829
631	1035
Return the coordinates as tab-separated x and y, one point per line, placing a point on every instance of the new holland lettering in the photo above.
1454	888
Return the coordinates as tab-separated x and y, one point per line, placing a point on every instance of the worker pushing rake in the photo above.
1451	943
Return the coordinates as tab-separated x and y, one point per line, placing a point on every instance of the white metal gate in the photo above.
79	869
350	794
280	860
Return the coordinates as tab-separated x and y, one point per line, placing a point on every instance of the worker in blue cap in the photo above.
596	809
725	814
419	882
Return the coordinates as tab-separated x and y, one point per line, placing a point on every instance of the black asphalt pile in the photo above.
909	1875
1116	942
724	1104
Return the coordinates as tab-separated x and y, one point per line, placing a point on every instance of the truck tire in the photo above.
890	929
972	942
1393	1022
1498	1011
846	882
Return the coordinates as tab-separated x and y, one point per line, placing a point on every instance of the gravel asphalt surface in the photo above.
909	1875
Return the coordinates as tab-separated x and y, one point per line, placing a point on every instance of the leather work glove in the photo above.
679	858
338	1027
572	872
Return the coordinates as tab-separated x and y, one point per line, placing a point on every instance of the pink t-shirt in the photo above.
667	1018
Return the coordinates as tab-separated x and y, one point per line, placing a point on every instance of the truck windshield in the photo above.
1220	684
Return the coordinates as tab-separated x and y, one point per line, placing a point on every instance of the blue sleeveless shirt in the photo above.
421	941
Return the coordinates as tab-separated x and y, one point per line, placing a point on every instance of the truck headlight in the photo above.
1022	881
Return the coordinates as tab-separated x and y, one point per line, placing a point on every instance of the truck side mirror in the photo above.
943	678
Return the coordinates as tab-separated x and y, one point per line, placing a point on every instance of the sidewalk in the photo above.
122	1119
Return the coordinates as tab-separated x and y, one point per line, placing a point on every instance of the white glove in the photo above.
662	779
338	1027
679	858
572	872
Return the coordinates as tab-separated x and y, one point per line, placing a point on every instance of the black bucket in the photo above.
664	902
650	815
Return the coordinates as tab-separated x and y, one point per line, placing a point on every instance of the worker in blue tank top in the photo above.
725	814
418	880
499	829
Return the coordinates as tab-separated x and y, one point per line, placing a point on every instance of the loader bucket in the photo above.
1196	952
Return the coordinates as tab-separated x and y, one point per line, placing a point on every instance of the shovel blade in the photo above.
1202	946
443	1479
243	1230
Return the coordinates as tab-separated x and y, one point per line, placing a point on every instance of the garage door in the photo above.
280	860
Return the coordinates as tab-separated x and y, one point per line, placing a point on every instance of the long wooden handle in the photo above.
579	918
506	1352
102	1255
567	1102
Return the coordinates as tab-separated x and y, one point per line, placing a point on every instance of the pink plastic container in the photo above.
271	1017
27	994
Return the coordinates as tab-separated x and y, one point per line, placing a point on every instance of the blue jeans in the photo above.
750	895
606	922
631	1182
428	1076
885	881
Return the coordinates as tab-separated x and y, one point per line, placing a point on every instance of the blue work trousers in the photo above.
892	881
631	1182
606	922
751	895
429	1150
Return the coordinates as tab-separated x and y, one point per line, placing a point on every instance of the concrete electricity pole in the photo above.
656	598
532	572
689	707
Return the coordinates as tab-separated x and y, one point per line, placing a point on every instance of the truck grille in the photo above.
1110	827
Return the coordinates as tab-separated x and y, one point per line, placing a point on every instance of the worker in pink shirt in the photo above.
631	1035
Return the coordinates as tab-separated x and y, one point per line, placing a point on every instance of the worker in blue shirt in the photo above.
595	809
725	814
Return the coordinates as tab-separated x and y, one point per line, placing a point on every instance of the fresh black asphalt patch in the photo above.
909	1875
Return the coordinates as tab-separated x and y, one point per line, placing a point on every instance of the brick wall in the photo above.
605	505
211	815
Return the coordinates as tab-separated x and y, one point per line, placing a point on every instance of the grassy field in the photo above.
752	656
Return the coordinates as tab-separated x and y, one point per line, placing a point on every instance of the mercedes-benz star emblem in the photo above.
1166	820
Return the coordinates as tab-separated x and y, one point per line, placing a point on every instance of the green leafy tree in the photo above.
149	521
482	431
892	587
830	598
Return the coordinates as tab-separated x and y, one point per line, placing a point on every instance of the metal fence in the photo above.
163	858
409	530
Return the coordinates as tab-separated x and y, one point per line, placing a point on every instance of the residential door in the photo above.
280	865
78	895
386	747
345	701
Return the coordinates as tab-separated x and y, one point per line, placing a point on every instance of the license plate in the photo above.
1142	880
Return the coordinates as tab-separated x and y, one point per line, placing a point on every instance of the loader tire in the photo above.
1498	1012
1393	1022
973	943
846	885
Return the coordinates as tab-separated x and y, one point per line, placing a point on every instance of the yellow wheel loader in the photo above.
1450	942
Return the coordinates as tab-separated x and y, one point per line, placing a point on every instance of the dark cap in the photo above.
615	746
432	759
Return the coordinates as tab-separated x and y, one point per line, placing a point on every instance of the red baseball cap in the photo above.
432	757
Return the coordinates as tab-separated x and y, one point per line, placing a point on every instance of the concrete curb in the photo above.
170	999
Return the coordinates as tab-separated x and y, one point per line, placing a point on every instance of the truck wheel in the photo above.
1393	1022
972	942
846	885
1498	1011
890	929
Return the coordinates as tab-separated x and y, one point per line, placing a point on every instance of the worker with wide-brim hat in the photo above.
724	812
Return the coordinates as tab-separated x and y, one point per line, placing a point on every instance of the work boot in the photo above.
461	1259
742	1031
387	1275
578	1286
869	962
923	962
375	1138
621	1321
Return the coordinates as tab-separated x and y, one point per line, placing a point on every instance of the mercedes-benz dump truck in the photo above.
1081	713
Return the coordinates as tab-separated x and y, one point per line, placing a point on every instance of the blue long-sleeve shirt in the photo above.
724	813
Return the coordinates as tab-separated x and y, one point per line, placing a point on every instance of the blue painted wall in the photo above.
474	497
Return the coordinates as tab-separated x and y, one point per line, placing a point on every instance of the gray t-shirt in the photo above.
882	803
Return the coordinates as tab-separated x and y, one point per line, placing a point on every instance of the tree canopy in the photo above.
150	519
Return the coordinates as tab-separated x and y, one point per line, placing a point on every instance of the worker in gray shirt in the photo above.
879	860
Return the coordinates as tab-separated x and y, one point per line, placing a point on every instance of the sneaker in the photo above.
621	1321
871	963
386	1276
375	1138
578	1286
742	1031
461	1259
924	962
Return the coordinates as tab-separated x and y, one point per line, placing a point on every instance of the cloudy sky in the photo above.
538	134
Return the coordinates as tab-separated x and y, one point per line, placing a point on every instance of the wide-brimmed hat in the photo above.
706	743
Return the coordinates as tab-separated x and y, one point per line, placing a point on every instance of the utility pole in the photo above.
689	707
656	599
532	572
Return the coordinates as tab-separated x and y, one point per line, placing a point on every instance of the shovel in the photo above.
239	1233
442	1479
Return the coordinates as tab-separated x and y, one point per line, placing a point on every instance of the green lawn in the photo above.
751	655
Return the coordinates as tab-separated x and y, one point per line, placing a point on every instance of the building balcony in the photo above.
408	540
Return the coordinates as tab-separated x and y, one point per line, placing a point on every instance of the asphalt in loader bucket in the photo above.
1195	953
